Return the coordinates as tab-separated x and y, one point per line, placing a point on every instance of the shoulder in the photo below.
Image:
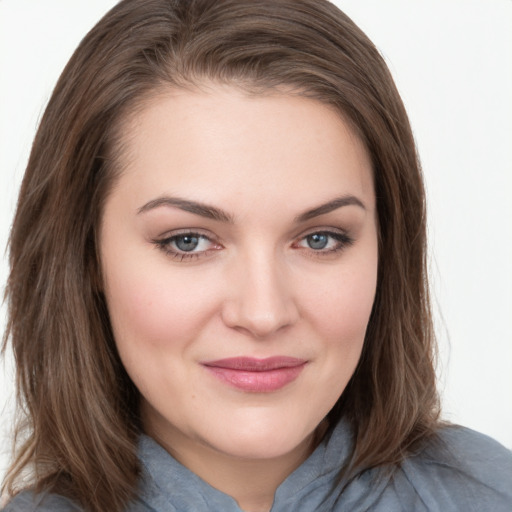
470	453
462	470
27	501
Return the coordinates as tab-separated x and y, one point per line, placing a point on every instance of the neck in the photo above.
251	482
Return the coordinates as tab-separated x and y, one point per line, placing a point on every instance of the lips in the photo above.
256	375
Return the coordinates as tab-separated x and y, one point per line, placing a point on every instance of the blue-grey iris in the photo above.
187	243
318	241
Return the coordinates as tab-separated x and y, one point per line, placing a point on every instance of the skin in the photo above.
253	286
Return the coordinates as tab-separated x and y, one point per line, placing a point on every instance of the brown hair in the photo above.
81	409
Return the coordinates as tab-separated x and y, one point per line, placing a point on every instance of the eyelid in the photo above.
342	237
186	231
329	230
164	242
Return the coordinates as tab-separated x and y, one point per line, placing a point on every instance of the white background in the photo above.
452	60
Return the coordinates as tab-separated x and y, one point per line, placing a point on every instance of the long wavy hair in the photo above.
79	423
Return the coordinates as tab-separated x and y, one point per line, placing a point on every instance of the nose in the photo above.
261	300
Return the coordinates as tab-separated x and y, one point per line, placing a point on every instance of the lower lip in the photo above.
257	382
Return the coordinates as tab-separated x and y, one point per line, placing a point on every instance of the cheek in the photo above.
350	309
340	311
153	309
341	308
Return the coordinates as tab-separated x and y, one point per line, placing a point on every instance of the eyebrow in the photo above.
336	203
204	210
211	212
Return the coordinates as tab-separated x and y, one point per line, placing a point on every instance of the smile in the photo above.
257	375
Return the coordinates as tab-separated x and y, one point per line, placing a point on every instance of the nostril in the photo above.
259	318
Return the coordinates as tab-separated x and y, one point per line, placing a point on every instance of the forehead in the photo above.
214	143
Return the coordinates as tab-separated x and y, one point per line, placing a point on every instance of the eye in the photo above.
187	245
322	242
317	241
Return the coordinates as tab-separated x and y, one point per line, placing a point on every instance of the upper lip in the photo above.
252	364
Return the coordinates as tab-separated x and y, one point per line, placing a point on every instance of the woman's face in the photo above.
239	254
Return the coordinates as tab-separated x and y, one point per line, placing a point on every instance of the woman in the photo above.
218	295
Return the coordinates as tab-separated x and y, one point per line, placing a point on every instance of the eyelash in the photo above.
179	255
342	240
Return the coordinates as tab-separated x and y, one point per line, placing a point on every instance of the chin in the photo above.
263	440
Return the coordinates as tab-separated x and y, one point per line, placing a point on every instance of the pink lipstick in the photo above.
257	375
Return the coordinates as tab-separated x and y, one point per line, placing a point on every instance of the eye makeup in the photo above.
187	245
324	242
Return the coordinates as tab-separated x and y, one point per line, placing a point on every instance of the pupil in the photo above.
318	241
187	243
